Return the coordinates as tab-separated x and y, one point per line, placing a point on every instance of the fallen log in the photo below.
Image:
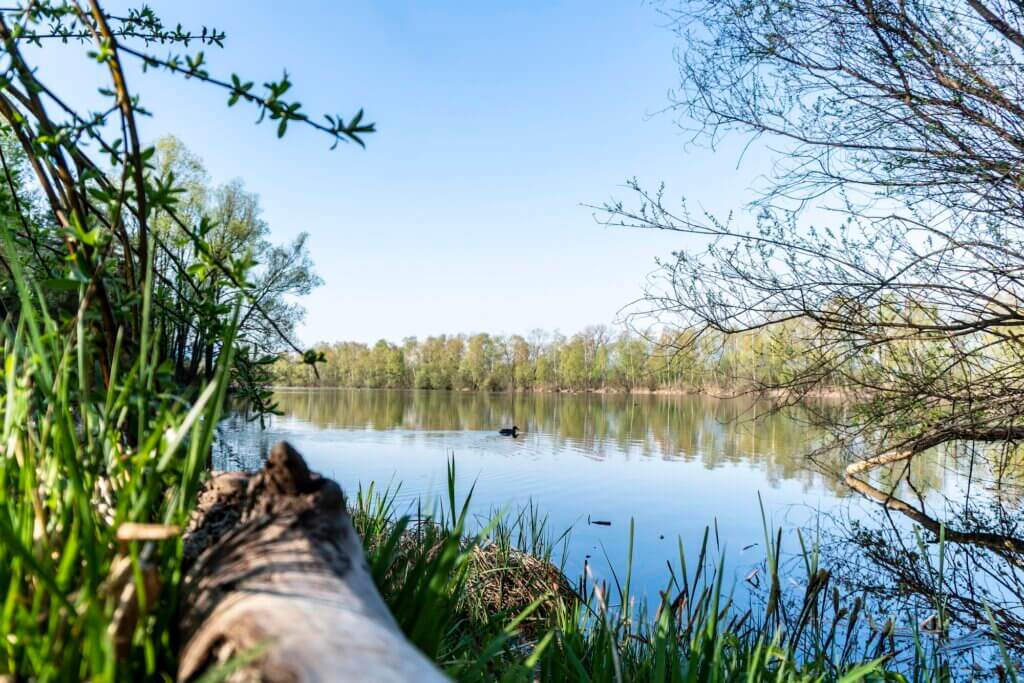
276	582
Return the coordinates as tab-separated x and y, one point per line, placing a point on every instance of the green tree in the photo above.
573	369
234	226
523	368
478	361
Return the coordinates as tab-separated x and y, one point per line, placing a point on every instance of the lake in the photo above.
674	465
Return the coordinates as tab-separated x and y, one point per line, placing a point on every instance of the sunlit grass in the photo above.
425	565
80	466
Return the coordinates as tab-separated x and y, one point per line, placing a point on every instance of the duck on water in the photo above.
513	432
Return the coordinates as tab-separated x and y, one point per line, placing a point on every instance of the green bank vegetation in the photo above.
594	359
133	295
486	610
82	463
77	581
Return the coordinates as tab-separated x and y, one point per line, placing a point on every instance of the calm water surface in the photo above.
674	465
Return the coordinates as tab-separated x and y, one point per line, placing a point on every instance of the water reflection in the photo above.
713	432
672	465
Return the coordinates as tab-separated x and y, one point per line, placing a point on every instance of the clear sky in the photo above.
496	123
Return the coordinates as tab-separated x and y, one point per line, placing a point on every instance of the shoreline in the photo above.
720	393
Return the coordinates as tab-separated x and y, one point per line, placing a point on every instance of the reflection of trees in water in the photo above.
896	558
715	432
880	559
896	564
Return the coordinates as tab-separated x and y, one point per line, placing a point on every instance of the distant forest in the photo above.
597	358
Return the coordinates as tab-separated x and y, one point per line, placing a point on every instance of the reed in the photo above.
552	630
94	485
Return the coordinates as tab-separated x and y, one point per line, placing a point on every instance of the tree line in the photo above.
596	358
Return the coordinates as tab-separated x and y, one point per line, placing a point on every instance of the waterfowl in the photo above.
514	432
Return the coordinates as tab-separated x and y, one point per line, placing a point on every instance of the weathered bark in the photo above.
276	574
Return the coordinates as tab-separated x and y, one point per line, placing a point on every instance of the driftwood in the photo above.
277	583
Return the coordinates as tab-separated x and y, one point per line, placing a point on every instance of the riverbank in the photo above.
717	392
483	599
508	598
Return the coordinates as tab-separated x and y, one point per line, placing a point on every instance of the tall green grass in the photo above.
425	565
87	452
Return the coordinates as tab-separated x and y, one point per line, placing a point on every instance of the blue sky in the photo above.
496	124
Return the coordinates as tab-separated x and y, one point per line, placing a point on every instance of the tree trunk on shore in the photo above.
277	582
